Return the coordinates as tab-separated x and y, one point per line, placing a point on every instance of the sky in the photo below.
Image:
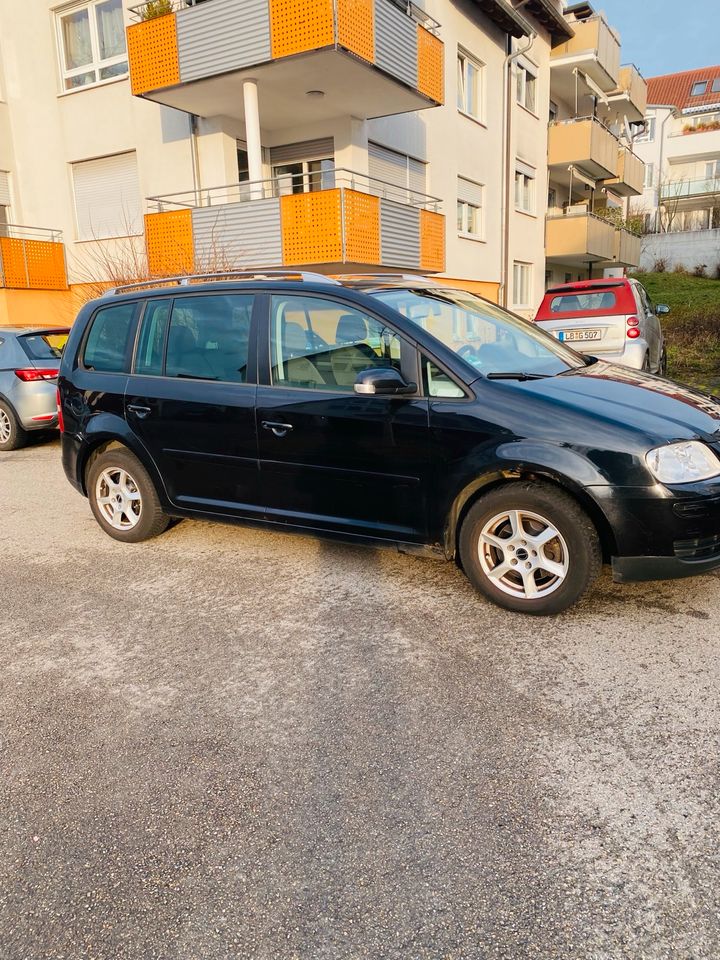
666	36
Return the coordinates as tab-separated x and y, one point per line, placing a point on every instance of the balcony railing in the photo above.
631	175
627	248
579	237
170	55
586	143
677	189
632	88
32	258
341	217
595	49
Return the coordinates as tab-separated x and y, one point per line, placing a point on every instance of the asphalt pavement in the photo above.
234	743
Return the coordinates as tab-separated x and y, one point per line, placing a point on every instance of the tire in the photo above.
662	369
646	364
137	515
12	434
532	509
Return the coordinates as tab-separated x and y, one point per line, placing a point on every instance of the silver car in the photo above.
29	361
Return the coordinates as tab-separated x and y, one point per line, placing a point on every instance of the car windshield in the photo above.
493	340
44	346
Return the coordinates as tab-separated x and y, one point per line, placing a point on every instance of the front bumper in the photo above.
633	569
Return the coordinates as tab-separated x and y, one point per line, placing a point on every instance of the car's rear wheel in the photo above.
123	498
530	547
646	364
12	435
662	369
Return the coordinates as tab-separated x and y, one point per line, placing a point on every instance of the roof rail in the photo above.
416	278
187	279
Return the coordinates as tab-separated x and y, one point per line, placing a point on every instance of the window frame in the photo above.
696	84
521	170
529	266
523	71
97	64
129	359
468	205
409	348
465	58
255	317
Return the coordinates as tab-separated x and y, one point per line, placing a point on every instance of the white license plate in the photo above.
573	336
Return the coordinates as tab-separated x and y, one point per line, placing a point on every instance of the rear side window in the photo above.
149	356
44	346
107	347
603	301
209	337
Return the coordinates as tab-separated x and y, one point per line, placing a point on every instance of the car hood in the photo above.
661	409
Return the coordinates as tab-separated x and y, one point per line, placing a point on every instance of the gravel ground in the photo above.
229	743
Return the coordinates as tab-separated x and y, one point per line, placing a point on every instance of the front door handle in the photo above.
139	410
279	429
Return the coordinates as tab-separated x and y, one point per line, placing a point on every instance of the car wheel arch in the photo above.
474	491
101	444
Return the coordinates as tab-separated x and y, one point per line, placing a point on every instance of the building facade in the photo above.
680	203
333	135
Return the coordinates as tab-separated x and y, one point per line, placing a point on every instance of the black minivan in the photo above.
388	409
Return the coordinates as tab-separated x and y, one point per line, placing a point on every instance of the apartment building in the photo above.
334	135
681	149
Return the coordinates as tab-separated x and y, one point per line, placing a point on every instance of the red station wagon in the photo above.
613	319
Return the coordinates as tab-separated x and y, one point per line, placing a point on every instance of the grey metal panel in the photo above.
399	235
395	42
306	150
238	235
221	36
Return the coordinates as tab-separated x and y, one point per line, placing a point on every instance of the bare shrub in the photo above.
679	268
700	270
660	265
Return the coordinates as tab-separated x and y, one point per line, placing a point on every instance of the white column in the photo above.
252	135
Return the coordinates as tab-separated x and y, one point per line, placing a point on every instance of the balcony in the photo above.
627	248
594	50
579	238
630	177
630	98
681	189
352	221
32	259
363	58
584	143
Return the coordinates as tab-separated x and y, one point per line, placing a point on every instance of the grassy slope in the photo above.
692	329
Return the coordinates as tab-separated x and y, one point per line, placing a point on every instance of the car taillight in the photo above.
633	322
633	333
61	422
32	374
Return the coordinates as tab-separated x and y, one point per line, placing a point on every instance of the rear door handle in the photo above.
279	429
139	410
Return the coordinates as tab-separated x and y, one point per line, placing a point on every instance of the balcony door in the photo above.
304	167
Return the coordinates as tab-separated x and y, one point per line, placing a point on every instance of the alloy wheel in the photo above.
523	554
118	498
5	427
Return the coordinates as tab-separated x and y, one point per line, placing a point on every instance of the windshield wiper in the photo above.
515	375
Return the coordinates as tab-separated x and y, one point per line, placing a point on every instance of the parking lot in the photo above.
234	743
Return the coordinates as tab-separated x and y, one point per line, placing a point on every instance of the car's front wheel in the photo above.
123	498
529	547
12	435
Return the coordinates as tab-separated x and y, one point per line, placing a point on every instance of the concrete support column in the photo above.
252	135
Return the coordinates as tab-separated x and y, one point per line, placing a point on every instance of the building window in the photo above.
92	43
526	88
712	170
396	175
522	284
699	88
649	175
107	197
469	208
469	85
649	134
716	85
525	189
553	112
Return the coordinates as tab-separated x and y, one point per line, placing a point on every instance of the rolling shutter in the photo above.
388	165
470	192
4	189
321	149
107	197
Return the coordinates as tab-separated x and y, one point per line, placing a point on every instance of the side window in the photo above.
322	344
149	356
209	336
108	344
436	383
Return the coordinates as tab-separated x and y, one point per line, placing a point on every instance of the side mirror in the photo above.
383	381
661	309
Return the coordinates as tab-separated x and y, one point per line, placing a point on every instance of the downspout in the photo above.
505	187
195	157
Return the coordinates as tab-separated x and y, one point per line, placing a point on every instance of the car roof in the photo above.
580	285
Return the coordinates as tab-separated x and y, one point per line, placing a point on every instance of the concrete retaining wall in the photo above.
687	249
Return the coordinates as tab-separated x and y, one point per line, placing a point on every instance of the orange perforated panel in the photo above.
362	227
153	54
299	25
311	226
356	27
431	60
32	264
432	241
169	242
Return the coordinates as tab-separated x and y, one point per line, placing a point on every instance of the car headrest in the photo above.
294	340
351	328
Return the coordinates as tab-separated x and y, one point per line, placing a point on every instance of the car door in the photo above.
190	399
332	459
649	325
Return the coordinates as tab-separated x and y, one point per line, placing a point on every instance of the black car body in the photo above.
264	425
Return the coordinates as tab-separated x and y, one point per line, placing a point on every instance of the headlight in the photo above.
684	462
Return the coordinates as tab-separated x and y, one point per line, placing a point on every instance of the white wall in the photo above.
683	249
